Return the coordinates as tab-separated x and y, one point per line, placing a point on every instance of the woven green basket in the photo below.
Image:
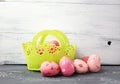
34	59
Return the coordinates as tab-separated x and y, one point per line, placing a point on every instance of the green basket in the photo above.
34	59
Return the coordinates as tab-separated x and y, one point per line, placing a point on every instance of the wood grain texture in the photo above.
88	26
18	74
100	2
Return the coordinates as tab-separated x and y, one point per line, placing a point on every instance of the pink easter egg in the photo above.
55	42
85	58
94	63
49	68
80	66
66	66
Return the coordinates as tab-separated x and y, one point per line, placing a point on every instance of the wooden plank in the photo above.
11	48
89	26
103	2
24	16
18	74
2	0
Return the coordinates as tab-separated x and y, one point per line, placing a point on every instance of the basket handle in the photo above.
56	33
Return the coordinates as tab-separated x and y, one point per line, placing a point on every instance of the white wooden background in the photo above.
88	23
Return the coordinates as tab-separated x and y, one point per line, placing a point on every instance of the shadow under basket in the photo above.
40	50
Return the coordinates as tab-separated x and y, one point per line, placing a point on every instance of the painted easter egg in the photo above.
80	66
66	66
93	62
55	42
49	68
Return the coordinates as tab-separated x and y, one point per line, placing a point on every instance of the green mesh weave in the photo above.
34	60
